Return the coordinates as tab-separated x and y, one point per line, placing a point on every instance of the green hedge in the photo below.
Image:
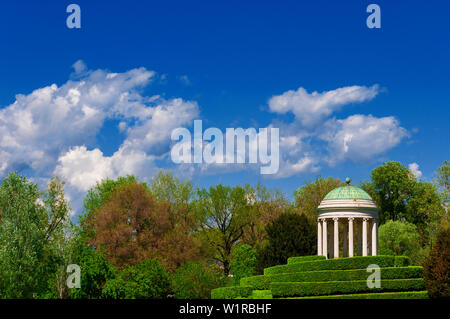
359	262
401	261
263	282
381	295
300	259
261	294
231	292
292	289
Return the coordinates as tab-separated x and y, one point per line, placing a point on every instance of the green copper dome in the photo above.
348	192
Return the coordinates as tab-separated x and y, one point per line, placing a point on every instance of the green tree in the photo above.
195	280
391	187
437	266
308	197
226	213
146	280
290	235
399	238
244	263
22	237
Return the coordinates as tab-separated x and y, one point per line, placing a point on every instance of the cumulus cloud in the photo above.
310	108
50	130
414	168
361	137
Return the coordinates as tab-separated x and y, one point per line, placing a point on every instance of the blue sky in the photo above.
224	62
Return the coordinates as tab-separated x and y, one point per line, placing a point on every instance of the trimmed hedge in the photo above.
263	282
300	259
358	262
292	289
231	292
401	261
261	294
380	295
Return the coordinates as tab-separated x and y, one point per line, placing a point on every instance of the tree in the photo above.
131	226
437	266
400	196
226	213
391	187
95	271
22	237
308	197
146	280
244	263
195	280
96	197
399	238
290	235
443	182
264	206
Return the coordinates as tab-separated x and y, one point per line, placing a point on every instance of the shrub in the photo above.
291	289
231	292
195	280
147	279
243	263
380	295
289	235
358	262
263	282
437	266
293	260
261	294
399	238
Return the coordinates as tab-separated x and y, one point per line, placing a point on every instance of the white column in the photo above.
359	223
344	241
350	237
364	235
336	238
374	238
319	237
324	238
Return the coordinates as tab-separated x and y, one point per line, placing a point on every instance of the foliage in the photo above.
357	262
95	271
231	292
437	266
293	289
131	226
289	235
96	197
300	259
195	280
226	214
308	197
32	238
147	279
265	206
264	281
380	295
399	238
443	181
243	263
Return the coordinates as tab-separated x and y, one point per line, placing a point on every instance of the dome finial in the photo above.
348	180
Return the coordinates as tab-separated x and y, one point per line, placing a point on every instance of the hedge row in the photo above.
231	292
292	289
301	259
261	294
263	282
380	295
358	262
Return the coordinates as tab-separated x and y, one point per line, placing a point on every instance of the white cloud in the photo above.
310	108
414	168
51	129
361	137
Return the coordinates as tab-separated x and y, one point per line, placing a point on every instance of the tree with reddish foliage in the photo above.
437	267
131	226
